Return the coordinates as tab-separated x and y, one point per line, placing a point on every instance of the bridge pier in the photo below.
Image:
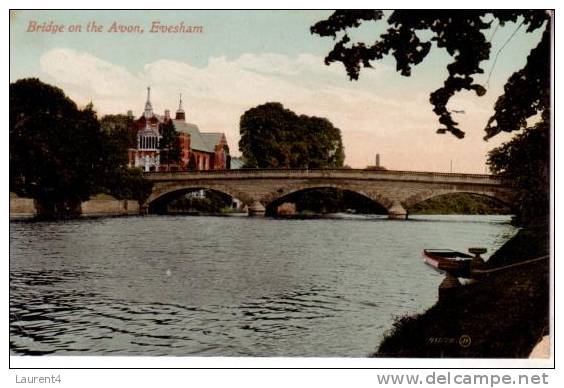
256	210
397	211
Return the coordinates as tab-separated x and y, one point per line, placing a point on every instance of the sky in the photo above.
245	58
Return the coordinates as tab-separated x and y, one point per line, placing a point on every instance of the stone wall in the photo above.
25	207
109	207
22	208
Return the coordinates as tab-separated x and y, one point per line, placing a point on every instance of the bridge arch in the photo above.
277	196
164	193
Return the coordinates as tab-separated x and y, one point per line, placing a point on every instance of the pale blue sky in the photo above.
244	58
228	33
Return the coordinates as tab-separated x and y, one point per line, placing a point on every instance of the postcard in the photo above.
351	186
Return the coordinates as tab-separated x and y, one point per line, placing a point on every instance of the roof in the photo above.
212	138
197	141
204	142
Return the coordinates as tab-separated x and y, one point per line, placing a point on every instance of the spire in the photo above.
148	106
180	104
180	115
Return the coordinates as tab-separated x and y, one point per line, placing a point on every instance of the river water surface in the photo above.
226	286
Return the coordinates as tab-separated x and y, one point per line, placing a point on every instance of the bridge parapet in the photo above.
361	174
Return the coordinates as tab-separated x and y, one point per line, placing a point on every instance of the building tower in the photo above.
180	115
148	107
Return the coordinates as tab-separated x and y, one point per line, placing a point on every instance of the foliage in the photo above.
121	135
461	34
524	162
460	203
330	200
213	202
275	137
61	155
56	149
127	183
169	144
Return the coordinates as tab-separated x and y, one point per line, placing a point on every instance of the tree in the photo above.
524	105
524	161
461	33
169	144
275	137
121	134
324	144
56	149
60	155
127	183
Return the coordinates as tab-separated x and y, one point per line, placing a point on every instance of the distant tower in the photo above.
377	160
180	115
148	106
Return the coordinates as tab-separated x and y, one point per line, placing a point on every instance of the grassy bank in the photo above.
503	316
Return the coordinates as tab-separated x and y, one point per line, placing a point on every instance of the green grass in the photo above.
102	196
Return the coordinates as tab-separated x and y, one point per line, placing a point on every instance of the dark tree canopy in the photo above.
461	34
525	161
169	144
121	135
60	155
275	137
56	149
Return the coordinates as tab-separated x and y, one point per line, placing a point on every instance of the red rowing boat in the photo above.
447	260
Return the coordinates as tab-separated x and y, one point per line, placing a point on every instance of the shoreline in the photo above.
505	315
22	209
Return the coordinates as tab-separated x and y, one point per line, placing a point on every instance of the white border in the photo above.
189	362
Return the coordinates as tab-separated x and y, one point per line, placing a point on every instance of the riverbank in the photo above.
460	203
504	316
98	206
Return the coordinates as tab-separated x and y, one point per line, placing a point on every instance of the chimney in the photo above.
377	160
167	114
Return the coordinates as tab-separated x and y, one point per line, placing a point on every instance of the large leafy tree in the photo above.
56	149
60	155
169	144
523	106
275	137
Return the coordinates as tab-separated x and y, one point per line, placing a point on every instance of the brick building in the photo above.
199	151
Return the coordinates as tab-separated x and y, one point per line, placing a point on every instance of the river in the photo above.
226	286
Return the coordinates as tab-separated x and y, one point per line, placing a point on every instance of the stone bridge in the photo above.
258	188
